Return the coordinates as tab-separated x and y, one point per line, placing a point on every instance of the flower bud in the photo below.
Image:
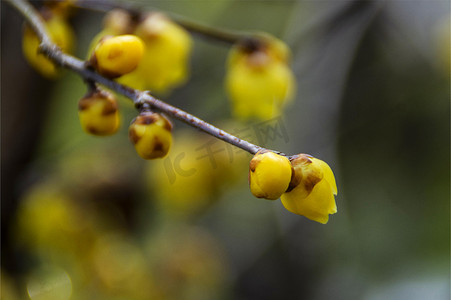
63	8
118	21
269	175
165	60
116	56
98	113
312	189
258	80
60	33
151	134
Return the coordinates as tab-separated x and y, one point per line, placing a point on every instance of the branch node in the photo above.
91	85
143	106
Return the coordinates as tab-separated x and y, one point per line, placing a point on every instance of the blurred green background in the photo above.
86	218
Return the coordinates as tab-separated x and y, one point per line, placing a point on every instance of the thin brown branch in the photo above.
213	33
139	98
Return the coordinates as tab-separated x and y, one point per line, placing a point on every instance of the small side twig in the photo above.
139	98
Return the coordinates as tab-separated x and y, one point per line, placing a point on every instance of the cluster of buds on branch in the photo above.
140	51
306	185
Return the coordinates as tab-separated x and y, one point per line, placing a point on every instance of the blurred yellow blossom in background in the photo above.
61	34
164	65
259	80
190	178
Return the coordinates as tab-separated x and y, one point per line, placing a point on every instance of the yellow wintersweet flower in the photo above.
60	33
165	60
194	174
9	289
312	189
269	175
118	21
117	56
121	269
98	113
151	135
62	8
49	218
258	80
183	184
189	261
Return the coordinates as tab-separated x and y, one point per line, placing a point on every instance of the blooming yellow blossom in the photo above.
63	8
119	55
118	21
122	269
151	134
98	113
48	218
269	175
183	184
187	181
312	189
189	261
60	33
165	60
9	289
258	80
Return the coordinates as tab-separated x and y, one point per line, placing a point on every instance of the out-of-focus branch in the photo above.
139	98
217	34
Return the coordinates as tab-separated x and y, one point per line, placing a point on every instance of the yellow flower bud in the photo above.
119	55
98	113
269	175
118	21
151	134
63	8
272	46
60	33
258	80
312	189
165	60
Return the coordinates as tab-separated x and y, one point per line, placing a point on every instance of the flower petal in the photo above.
328	174
316	206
